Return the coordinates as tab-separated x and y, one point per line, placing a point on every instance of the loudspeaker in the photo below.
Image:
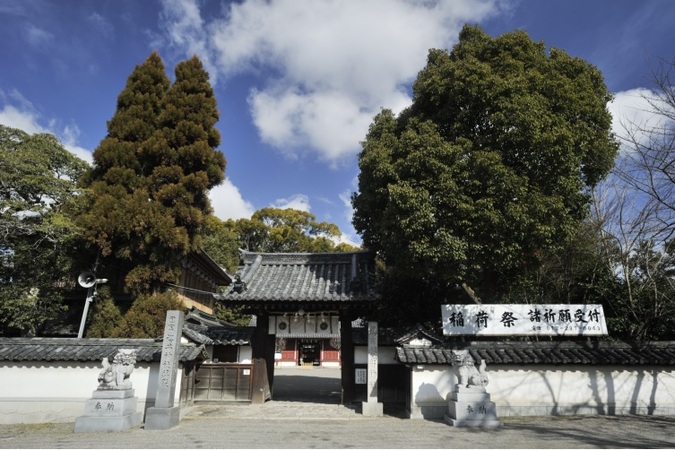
86	279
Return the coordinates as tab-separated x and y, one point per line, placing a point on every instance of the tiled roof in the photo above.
230	335
218	335
547	352
70	349
393	336
194	315
200	262
195	333
206	329
302	277
416	332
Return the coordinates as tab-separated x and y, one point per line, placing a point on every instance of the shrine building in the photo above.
304	305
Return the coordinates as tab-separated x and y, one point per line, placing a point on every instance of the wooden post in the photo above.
347	356
262	346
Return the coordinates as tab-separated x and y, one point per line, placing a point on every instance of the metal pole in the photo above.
90	297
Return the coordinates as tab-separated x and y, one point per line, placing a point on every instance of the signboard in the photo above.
360	376
523	320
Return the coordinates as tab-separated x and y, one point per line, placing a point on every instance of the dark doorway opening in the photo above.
310	353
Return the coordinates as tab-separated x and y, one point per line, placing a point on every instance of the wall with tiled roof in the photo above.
548	352
70	349
50	379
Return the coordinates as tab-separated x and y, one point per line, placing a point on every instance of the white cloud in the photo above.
23	120
292	122
101	24
186	30
632	112
69	137
334	64
349	236
38	37
25	117
298	201
228	203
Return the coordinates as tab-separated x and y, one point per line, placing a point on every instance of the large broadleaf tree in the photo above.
489	166
38	237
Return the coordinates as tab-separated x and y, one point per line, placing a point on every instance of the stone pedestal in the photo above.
471	407
372	409
162	418
109	410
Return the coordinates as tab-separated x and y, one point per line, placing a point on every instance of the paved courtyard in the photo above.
296	420
286	428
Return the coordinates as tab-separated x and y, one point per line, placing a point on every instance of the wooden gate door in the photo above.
224	382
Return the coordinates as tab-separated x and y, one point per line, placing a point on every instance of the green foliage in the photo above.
146	317
235	316
148	190
286	230
105	317
221	242
268	230
574	273
38	239
487	169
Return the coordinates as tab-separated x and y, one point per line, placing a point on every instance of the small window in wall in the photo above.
225	353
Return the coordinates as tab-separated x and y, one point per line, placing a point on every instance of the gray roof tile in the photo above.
71	349
547	352
208	330
301	277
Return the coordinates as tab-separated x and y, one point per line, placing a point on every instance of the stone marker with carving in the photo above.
165	414
469	403
113	406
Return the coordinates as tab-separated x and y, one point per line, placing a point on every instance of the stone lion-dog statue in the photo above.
468	374
116	375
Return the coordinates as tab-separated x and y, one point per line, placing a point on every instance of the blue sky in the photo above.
297	81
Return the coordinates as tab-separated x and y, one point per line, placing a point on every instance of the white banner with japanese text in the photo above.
522	320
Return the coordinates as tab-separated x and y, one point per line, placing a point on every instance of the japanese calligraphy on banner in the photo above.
542	320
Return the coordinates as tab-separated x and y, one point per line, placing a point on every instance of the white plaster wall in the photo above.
431	387
546	390
542	390
56	392
245	354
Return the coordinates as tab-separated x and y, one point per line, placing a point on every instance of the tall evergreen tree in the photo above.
189	164
152	172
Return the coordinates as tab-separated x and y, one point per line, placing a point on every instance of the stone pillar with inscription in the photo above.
113	405
372	407
164	414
